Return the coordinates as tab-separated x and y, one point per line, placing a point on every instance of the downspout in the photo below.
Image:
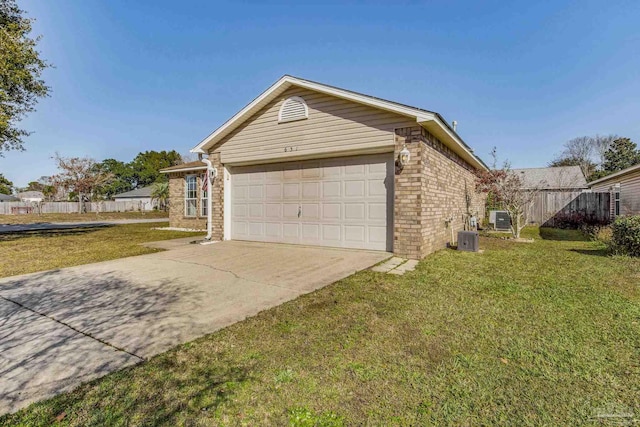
211	172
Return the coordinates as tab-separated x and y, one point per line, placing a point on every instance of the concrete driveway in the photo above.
63	327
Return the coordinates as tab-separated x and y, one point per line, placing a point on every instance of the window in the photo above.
191	195
292	109
616	199
203	195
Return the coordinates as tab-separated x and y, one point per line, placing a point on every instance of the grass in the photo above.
75	217
28	252
542	333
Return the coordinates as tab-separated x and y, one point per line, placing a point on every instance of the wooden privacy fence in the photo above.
550	205
74	207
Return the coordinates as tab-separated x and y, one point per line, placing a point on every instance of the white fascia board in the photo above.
239	115
193	168
615	175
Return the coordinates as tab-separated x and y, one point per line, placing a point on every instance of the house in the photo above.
140	198
308	163
8	198
560	178
31	196
624	187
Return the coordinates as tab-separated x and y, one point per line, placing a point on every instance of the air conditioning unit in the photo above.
502	221
468	241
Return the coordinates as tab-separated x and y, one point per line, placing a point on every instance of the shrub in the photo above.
625	235
588	224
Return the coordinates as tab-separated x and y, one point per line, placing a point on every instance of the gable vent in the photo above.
293	108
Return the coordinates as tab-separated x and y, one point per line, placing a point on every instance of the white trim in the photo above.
287	81
193	168
226	214
615	175
186	193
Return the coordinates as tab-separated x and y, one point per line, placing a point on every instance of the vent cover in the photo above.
292	109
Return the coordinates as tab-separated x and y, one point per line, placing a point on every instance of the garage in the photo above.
339	202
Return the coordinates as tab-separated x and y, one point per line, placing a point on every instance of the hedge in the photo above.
625	236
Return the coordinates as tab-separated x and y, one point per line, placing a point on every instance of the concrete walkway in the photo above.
39	226
63	327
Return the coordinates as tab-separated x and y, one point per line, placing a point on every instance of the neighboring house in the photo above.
560	178
624	187
8	198
140	197
308	163
31	196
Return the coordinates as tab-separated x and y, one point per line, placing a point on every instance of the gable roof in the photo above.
190	166
616	174
552	178
138	192
430	120
31	195
8	198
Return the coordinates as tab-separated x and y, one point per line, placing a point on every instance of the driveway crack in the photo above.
234	274
72	328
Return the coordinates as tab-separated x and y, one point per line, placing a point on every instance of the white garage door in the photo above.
341	202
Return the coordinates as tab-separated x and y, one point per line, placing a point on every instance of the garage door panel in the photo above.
255	210
332	233
342	202
310	190
354	233
331	211
354	211
354	188
291	190
273	230
273	211
290	231
273	191
331	189
256	229
310	211
240	211
290	210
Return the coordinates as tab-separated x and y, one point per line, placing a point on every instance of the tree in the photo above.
79	175
6	186
623	153
34	186
146	166
123	179
20	74
577	152
506	188
160	192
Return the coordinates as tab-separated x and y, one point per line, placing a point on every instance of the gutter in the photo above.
211	172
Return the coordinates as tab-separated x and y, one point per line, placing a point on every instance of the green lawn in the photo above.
546	333
28	252
74	217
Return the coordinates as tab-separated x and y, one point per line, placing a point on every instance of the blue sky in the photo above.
160	75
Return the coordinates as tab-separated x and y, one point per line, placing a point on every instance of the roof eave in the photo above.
615	175
421	116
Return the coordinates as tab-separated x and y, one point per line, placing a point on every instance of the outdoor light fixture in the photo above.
404	156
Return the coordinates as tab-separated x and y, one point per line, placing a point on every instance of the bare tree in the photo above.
601	144
507	188
81	175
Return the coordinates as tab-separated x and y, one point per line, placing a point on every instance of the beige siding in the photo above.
334	125
629	192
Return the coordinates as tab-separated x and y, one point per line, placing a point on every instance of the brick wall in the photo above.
176	201
430	195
